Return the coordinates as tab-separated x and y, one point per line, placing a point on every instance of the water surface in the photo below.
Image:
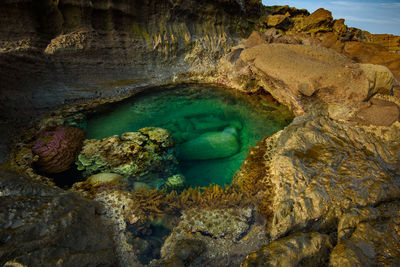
212	127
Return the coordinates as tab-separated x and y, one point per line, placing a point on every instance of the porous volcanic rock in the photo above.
218	232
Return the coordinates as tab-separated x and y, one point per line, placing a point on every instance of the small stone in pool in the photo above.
211	145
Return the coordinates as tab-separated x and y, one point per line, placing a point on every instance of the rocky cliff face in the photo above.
58	52
389	41
325	190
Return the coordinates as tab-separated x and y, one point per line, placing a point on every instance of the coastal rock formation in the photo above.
369	236
329	75
45	226
389	41
134	154
324	189
66	51
300	248
219	232
322	167
319	21
320	29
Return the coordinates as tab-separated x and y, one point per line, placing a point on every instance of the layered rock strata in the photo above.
54	53
329	187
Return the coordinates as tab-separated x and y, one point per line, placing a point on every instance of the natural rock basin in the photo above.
212	127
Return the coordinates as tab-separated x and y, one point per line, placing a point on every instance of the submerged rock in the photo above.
57	149
215	237
134	154
176	182
105	177
211	145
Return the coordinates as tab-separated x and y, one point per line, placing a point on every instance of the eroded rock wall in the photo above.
57	52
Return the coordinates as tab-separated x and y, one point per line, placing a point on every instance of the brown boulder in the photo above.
279	21
254	39
373	53
339	27
319	21
380	113
295	70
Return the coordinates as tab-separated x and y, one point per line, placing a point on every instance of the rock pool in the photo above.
212	127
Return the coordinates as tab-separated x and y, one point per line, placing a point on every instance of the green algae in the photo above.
216	124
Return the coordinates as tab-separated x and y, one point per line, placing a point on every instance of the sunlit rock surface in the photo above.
331	178
322	167
369	236
319	71
300	249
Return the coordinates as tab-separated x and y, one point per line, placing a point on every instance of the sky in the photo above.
374	16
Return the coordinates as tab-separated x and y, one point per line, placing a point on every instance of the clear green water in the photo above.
212	127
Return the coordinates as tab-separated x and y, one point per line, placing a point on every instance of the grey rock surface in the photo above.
45	226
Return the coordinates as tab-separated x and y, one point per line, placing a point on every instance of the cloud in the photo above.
371	20
388	5
342	3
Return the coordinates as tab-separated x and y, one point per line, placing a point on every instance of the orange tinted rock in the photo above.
373	53
319	21
339	27
254	39
381	113
279	21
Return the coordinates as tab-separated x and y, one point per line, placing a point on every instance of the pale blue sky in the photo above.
373	16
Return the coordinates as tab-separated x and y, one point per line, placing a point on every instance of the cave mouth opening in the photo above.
212	128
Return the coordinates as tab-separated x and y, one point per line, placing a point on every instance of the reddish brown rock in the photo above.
339	27
279	21
319	21
254	39
380	113
372	53
57	148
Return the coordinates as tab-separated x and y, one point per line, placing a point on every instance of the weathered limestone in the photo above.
369	237
323	167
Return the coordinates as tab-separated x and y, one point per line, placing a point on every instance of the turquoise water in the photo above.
212	127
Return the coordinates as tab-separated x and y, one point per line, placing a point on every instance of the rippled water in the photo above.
212	127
